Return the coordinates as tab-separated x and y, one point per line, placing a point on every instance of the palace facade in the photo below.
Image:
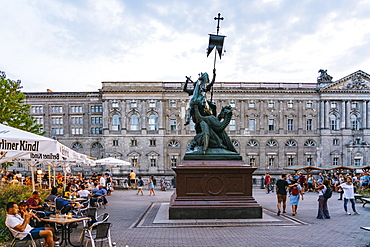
274	125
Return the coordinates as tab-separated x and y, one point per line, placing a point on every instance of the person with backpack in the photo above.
324	194
295	194
349	194
140	184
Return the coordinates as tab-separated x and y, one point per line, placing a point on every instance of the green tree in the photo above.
13	111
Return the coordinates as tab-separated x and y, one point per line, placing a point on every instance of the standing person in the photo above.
281	192
296	193
151	187
323	211
140	184
302	181
132	179
267	182
310	181
349	194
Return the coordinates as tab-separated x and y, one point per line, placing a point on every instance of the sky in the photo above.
74	45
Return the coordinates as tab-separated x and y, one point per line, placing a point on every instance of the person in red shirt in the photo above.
267	182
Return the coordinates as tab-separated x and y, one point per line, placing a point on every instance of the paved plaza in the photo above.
142	221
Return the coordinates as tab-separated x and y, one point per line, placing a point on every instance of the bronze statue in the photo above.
210	129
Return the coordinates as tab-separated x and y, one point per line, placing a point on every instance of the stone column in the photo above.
348	116
326	116
343	113
364	115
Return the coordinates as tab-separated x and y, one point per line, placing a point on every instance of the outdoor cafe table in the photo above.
65	222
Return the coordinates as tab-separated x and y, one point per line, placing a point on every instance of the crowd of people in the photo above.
24	216
294	187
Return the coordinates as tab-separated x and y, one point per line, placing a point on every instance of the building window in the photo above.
133	142
357	162
271	124
335	161
232	125
96	130
192	126
76	109
133	104
116	123
333	122
290	161
333	105
77	131
252	161
270	105
309	105
291	143
77	145
134	122
232	104
173	161
115	143
96	108
252	143
96	145
37	109
39	120
335	142
173	104
152	122
173	124
271	143
354	105
309	124
57	131
56	120
310	143
114	104
309	161
134	162
152	143
153	162
354	122
251	105
252	124
271	161
96	120
290	124
152	104
173	144
56	109
76	120
290	105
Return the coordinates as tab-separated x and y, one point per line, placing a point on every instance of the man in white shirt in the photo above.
102	180
16	223
83	193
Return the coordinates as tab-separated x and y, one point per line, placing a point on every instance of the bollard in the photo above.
262	182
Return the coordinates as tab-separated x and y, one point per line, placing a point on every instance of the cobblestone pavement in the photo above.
132	218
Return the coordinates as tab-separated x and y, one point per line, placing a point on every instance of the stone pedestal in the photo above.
214	189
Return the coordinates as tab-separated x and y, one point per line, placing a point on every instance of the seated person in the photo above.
53	194
16	223
35	201
83	192
99	194
34	220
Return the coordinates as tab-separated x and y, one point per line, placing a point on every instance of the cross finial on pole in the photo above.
219	18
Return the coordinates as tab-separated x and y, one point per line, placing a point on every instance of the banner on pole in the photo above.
215	41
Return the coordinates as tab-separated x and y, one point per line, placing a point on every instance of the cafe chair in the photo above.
98	232
25	242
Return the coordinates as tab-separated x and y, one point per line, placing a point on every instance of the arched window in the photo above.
173	144
310	143
96	145
116	123
77	145
354	122
153	122
252	143
333	122
291	143
235	143
134	122
271	143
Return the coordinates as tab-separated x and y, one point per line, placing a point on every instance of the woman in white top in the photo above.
349	194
